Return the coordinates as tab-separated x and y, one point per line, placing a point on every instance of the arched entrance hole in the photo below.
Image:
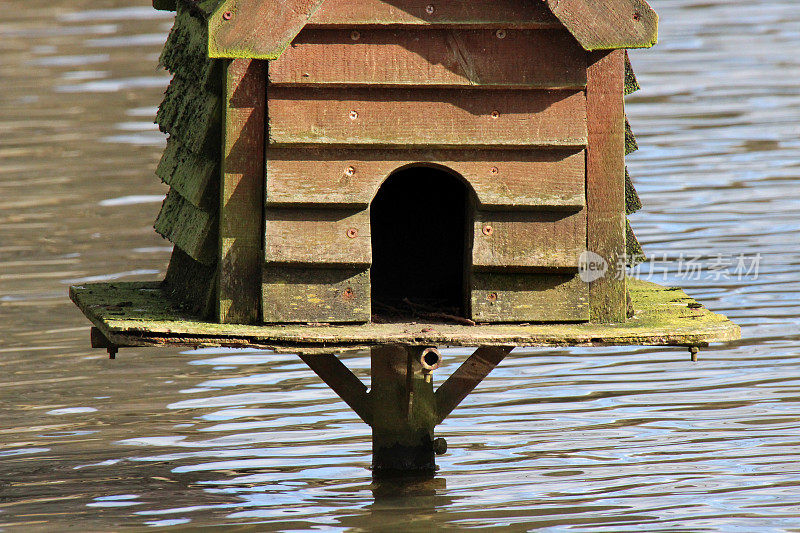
421	224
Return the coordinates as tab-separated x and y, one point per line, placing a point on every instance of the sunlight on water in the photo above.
601	440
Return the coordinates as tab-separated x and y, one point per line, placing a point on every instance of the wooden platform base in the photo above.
139	314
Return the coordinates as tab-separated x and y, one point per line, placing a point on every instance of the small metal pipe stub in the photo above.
694	350
430	359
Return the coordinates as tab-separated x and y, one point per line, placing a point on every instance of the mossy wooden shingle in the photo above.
194	176
191	115
630	139
634	252
189	228
631	83
632	201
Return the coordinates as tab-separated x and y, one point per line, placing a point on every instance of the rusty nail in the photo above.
429	9
353	115
350	171
349	293
495	114
227	15
355	36
492	297
488	230
352	233
501	34
495	170
637	16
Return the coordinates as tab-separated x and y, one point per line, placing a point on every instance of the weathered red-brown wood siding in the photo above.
502	104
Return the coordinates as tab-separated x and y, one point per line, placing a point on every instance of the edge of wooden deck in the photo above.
138	314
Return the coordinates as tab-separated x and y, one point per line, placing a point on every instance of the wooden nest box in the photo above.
399	175
343	161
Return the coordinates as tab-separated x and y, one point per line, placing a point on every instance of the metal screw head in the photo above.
492	297
637	16
227	15
350	171
355	35
353	115
430	9
488	230
494	170
501	34
352	233
348	293
495	114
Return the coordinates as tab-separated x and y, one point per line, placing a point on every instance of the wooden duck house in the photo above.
398	175
331	161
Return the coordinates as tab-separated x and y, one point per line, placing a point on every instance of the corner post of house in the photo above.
242	192
605	182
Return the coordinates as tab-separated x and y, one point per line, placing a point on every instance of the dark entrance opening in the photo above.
421	222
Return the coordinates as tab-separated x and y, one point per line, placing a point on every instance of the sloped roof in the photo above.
263	29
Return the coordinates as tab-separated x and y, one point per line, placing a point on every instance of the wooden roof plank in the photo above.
608	25
262	29
257	29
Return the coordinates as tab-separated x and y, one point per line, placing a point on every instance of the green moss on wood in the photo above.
190	284
140	314
634	252
632	201
191	114
304	294
189	228
194	176
165	5
631	84
202	7
630	139
184	53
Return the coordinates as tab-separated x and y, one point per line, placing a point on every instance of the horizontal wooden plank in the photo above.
507	179
292	295
322	236
427	117
433	57
498	297
458	13
545	239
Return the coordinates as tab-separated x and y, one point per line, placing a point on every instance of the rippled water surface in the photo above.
633	439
